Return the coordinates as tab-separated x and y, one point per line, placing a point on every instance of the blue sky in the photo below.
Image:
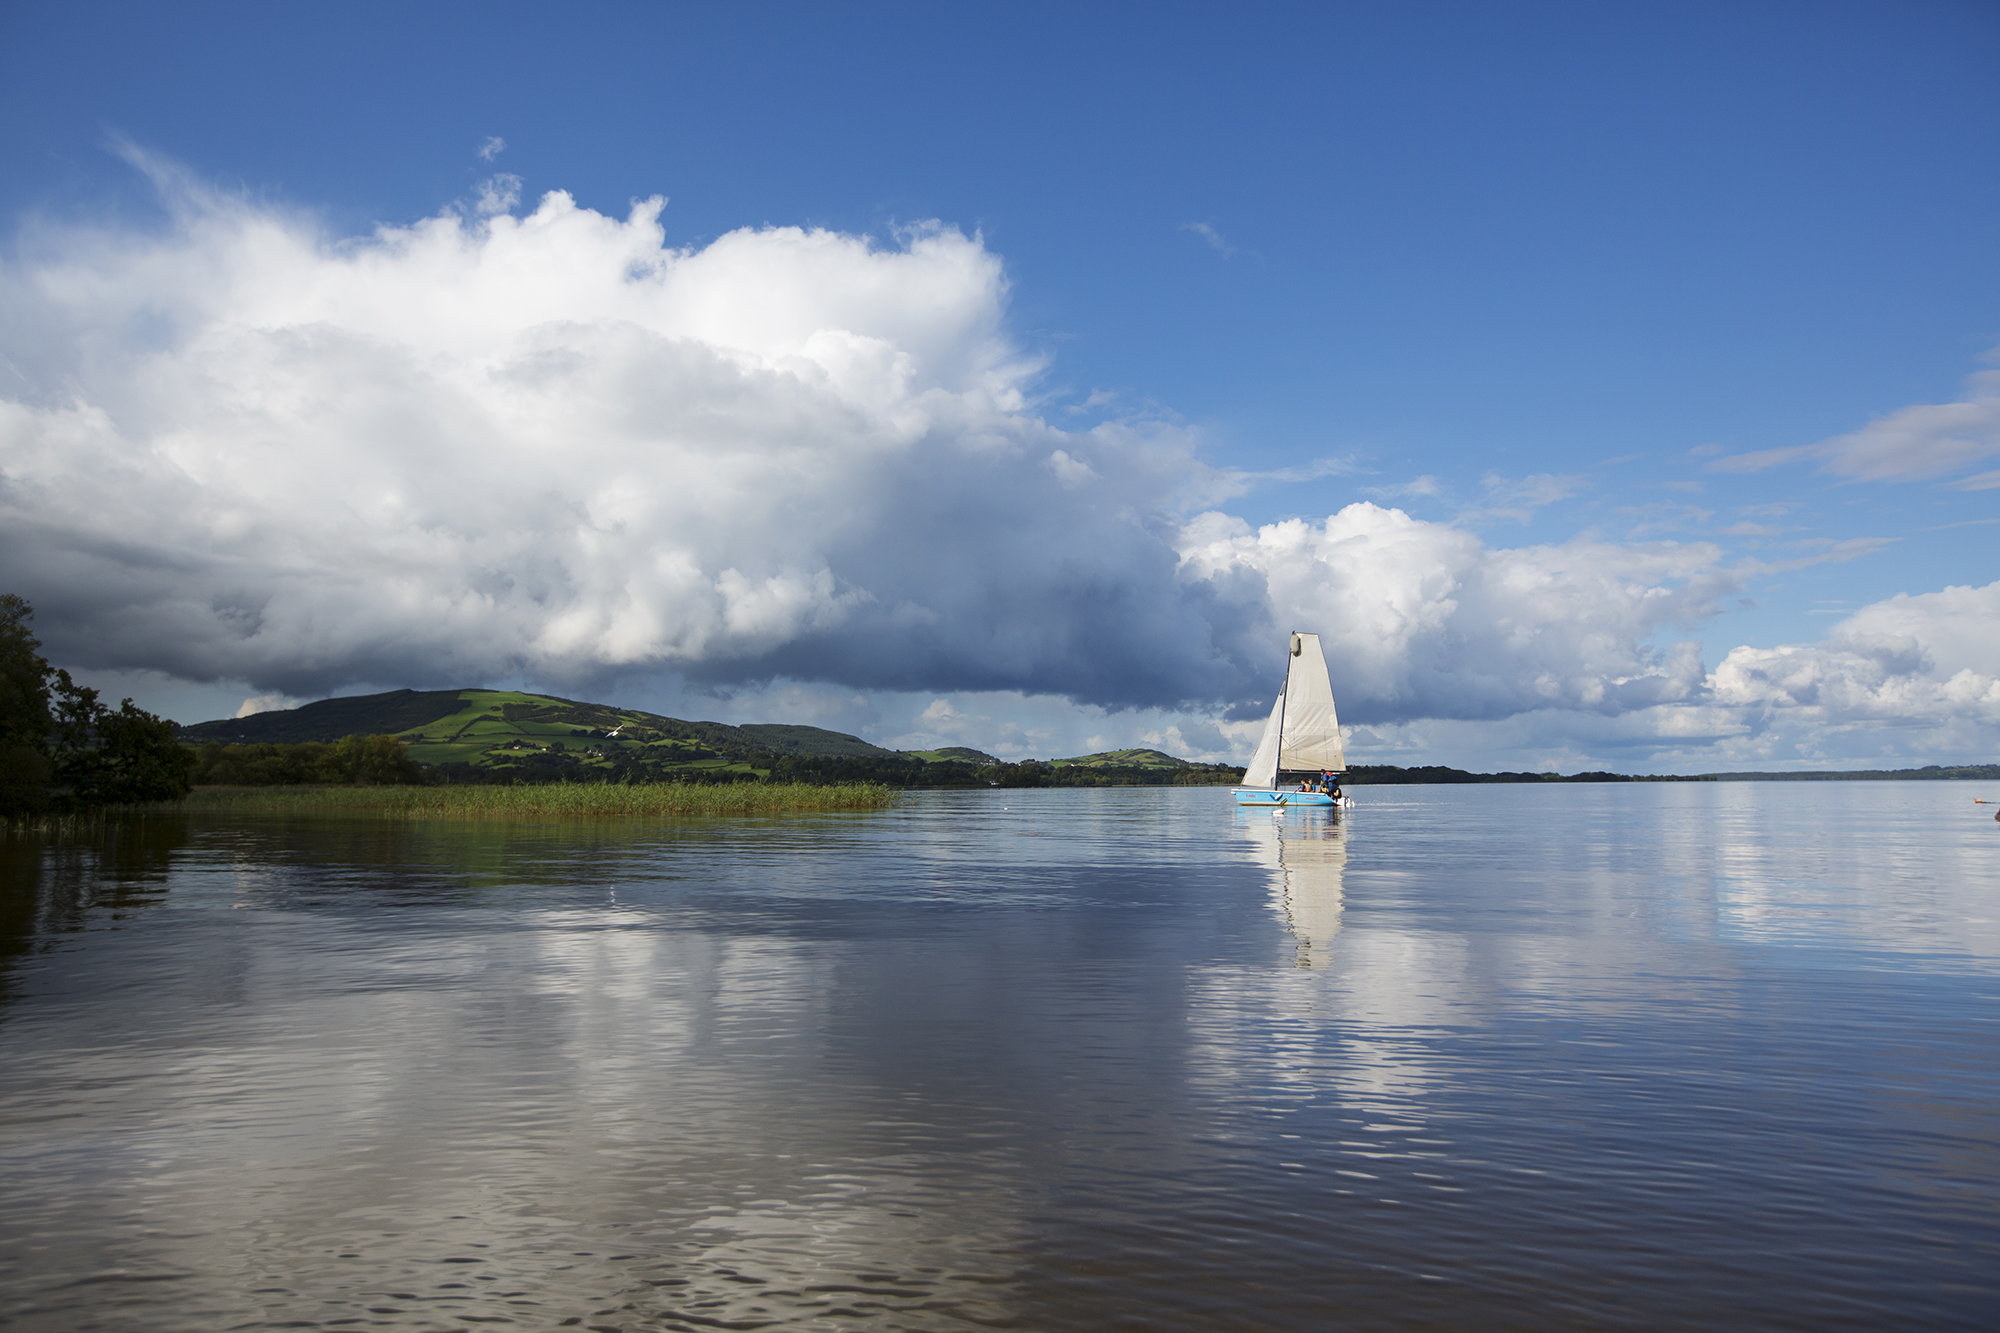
1532	273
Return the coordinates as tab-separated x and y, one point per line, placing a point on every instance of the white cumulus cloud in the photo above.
1926	660
555	447
1422	620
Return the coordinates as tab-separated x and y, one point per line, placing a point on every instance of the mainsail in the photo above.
1303	734
1311	736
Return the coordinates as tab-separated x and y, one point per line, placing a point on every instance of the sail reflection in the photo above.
1307	853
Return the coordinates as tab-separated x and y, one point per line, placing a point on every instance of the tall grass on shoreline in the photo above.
65	827
663	800
543	801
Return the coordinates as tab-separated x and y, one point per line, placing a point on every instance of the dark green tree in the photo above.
60	745
24	713
106	757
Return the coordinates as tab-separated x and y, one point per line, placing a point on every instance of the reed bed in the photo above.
89	824
660	800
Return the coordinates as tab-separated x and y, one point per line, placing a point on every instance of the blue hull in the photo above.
1286	799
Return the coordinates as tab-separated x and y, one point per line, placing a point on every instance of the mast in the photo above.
1284	694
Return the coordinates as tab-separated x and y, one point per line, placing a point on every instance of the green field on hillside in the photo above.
1125	759
494	727
953	754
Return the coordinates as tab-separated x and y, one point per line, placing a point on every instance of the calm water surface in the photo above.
1503	1057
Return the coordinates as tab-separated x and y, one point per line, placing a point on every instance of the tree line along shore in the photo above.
385	760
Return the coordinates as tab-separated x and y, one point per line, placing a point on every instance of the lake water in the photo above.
1496	1057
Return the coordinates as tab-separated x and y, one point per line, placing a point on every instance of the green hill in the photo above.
507	733
388	714
1125	759
954	754
782	738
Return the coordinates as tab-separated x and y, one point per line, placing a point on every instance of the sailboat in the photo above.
1303	736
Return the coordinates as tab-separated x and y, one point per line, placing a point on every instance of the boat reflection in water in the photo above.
1306	850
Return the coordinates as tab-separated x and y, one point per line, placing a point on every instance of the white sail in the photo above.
1263	770
1311	729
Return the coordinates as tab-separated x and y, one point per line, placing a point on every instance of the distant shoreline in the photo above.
1387	775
